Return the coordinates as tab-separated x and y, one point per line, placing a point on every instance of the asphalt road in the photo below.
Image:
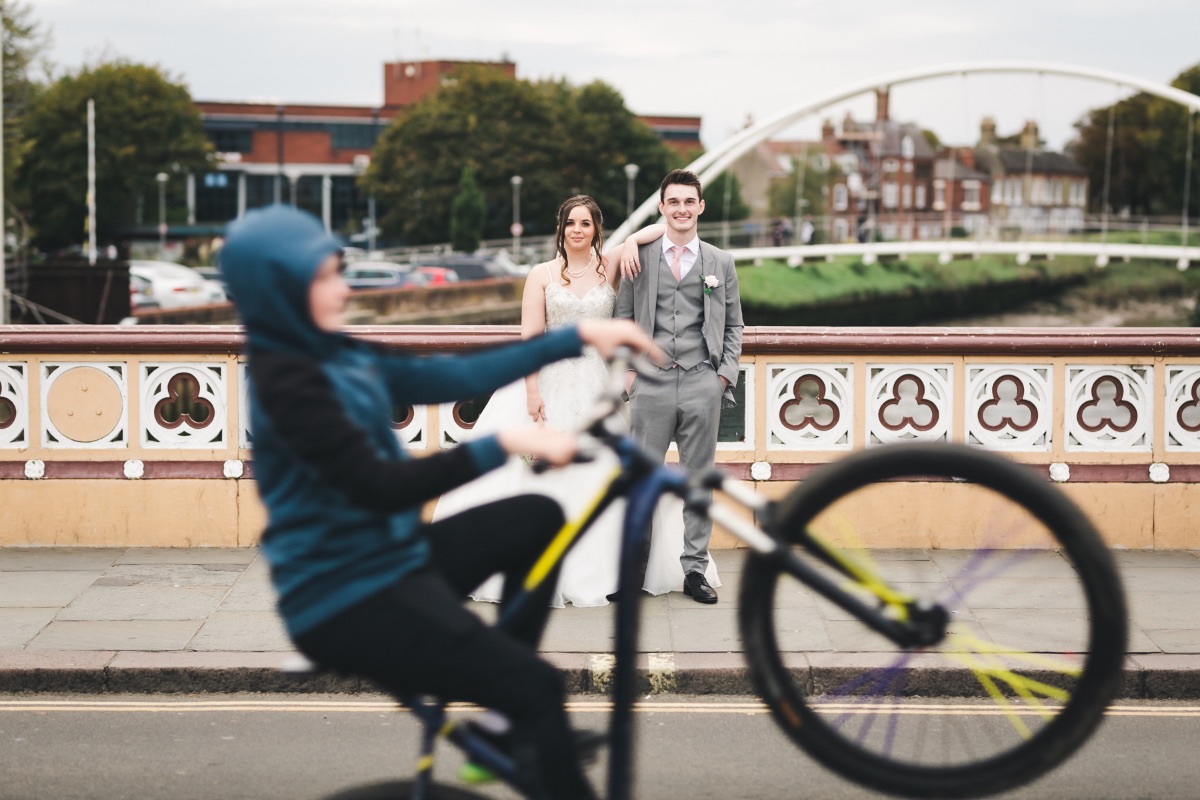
308	746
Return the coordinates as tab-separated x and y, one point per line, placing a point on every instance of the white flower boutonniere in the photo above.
709	282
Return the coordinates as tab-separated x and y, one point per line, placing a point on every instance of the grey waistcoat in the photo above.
679	317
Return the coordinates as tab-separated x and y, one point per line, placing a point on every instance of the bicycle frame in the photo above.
643	482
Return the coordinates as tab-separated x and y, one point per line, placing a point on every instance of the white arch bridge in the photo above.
717	160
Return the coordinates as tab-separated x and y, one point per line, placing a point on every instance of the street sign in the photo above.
516	229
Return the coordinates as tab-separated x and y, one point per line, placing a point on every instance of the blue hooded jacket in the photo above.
343	498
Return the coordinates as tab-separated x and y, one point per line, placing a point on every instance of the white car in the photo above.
177	286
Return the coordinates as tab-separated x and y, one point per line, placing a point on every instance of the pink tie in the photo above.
676	261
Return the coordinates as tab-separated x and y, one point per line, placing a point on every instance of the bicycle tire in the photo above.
403	790
835	721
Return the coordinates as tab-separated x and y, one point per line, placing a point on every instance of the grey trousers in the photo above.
684	405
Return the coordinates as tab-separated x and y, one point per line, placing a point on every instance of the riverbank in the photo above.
987	292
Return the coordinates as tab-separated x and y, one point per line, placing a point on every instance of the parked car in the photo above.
176	286
468	267
381	275
141	294
213	276
437	276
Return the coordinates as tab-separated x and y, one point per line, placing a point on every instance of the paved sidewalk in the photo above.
171	620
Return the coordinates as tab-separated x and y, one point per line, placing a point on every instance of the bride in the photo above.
575	286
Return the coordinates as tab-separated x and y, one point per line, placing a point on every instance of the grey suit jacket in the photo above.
637	299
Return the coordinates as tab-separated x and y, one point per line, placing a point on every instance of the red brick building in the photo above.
311	154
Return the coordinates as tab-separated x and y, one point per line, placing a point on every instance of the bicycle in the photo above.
872	721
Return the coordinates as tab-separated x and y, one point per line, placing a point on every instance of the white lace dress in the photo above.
569	390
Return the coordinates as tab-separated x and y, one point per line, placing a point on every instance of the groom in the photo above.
687	299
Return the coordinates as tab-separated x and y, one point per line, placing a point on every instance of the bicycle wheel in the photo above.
403	790
1034	642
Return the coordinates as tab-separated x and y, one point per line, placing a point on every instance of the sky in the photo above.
725	61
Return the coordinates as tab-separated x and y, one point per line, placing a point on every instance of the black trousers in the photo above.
416	636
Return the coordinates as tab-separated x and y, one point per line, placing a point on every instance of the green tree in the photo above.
145	124
466	215
723	199
1149	151
782	193
562	140
25	69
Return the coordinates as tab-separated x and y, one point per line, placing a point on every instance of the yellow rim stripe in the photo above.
562	540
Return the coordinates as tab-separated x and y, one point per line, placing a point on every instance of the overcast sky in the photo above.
723	60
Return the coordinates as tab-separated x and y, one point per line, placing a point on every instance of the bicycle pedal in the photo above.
475	774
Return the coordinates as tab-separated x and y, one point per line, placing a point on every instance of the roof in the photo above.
1015	160
950	169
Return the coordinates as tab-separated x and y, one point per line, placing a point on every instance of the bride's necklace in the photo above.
584	271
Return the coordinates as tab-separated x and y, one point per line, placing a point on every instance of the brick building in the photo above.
312	154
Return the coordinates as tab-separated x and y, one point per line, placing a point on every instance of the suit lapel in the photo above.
654	265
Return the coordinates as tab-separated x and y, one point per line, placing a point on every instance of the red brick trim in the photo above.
214	339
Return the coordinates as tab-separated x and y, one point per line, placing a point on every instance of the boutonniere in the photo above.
709	282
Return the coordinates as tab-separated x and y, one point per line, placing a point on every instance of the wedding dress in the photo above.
569	390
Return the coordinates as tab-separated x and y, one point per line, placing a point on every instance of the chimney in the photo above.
1029	136
827	130
881	104
987	132
966	157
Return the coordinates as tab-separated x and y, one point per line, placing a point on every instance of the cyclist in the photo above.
364	587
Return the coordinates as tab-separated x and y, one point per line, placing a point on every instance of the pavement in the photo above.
203	620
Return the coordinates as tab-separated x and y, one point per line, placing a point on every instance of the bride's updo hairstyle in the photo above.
564	211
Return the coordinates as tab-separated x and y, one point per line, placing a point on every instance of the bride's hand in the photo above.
556	448
535	406
630	265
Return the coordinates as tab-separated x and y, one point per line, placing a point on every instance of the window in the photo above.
891	165
891	194
841	197
907	148
939	195
906	195
231	140
920	195
970	195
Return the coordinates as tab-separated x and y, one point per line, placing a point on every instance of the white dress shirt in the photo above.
691	252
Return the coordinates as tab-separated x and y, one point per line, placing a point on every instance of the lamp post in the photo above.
517	229
293	176
162	213
361	163
631	173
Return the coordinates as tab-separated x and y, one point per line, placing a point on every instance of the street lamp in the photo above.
631	171
361	163
293	176
517	229
162	213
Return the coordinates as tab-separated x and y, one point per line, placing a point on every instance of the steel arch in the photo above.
714	162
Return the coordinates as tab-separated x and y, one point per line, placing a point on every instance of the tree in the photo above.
782	193
723	199
1149	151
466	215
145	124
562	140
24	46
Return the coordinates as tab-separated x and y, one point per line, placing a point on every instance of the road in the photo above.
105	747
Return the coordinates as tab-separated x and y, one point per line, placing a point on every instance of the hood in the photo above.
269	259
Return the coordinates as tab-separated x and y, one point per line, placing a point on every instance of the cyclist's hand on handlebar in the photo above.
609	334
556	448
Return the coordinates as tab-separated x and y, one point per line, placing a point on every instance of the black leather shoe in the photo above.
696	587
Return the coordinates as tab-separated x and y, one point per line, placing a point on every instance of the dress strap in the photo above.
550	274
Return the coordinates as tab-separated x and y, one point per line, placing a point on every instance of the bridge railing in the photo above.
114	436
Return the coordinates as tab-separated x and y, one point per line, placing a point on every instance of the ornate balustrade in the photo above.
115	436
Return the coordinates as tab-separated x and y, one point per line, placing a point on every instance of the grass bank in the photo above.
919	290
